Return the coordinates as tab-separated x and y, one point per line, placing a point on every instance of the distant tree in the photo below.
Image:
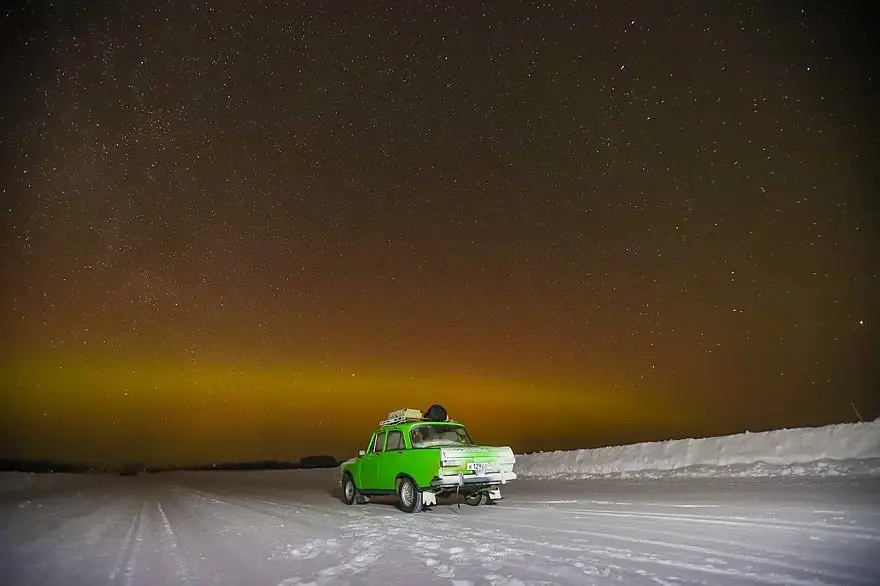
131	469
318	462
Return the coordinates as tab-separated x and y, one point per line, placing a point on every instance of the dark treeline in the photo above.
133	468
43	466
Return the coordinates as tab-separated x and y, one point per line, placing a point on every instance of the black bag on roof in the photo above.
436	413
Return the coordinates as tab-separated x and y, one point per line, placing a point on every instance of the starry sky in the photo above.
248	230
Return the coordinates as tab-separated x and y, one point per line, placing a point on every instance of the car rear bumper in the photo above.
488	479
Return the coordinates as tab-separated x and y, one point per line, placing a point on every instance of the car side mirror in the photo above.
361	452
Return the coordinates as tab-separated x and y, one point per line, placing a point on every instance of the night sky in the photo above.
248	230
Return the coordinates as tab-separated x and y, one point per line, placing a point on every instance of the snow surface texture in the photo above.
290	528
833	450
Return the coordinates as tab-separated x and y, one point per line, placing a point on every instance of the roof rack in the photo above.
402	415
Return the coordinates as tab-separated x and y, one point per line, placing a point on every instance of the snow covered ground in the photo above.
290	528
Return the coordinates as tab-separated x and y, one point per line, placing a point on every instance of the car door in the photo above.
370	463
391	462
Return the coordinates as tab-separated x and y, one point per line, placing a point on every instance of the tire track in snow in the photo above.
588	546
56	513
350	554
466	549
299	515
229	556
62	522
729	545
815	573
763	578
174	545
811	547
324	558
748	522
299	508
127	562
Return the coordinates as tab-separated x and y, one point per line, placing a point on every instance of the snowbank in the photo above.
843	449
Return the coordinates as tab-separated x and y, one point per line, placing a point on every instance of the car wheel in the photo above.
476	499
349	492
409	496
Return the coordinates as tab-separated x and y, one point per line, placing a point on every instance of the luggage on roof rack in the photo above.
432	413
401	415
436	413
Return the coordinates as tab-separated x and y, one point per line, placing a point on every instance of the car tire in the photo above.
477	499
349	490
409	496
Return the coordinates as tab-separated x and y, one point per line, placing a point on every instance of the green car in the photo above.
420	457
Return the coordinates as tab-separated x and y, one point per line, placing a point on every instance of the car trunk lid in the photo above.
476	459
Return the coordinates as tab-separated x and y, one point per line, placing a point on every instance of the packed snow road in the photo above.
274	528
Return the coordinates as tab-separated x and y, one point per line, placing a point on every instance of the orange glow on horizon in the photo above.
171	412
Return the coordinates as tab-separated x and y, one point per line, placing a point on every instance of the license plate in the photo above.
476	466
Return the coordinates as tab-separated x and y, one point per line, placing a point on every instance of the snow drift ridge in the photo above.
849	448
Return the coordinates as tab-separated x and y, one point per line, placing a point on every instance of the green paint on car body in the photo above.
438	456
